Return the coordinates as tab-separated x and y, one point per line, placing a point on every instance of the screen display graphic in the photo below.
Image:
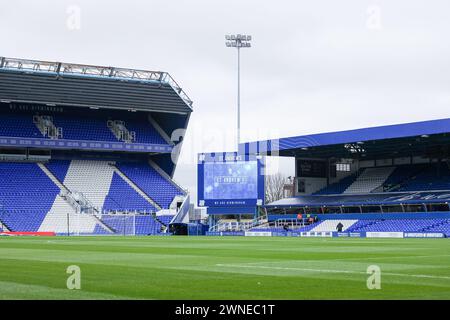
230	180
234	180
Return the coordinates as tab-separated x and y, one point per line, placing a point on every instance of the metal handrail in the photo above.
61	68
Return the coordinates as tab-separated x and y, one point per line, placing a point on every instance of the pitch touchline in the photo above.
332	271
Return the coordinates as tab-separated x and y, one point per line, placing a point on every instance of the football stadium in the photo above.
333	184
87	164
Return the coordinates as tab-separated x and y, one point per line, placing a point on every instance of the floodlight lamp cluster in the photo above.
238	41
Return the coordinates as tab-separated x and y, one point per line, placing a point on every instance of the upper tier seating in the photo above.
151	182
26	195
77	127
430	178
84	128
417	177
338	187
18	125
400	175
145	132
369	180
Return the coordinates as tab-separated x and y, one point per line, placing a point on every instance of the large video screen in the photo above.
235	180
230	180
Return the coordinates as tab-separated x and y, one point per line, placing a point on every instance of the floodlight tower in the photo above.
238	41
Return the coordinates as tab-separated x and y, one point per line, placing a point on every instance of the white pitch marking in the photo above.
333	271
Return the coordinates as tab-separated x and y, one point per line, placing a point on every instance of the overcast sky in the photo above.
315	66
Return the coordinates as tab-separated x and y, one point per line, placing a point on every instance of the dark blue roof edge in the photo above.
386	198
394	131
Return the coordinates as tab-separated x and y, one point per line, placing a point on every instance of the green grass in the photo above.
223	268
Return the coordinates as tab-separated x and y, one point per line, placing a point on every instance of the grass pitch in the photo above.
223	268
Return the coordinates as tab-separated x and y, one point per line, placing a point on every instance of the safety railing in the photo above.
61	68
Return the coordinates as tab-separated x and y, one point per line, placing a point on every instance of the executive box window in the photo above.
343	167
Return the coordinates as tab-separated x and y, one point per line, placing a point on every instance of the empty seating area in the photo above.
59	168
31	201
145	132
18	125
432	177
84	128
441	226
369	225
369	180
26	195
151	182
100	185
417	177
76	126
122	197
338	187
146	225
402	225
330	225
400	175
270	228
165	219
90	178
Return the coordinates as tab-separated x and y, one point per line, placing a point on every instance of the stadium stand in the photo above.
151	182
66	136
340	186
441	226
26	195
369	225
165	219
146	225
35	201
432	177
306	228
330	225
145	132
369	180
73	126
418	177
122	197
393	178
59	168
18	125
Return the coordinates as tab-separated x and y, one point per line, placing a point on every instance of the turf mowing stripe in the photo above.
332	271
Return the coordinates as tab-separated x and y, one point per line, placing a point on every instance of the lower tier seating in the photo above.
33	197
151	182
369	225
26	195
388	225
